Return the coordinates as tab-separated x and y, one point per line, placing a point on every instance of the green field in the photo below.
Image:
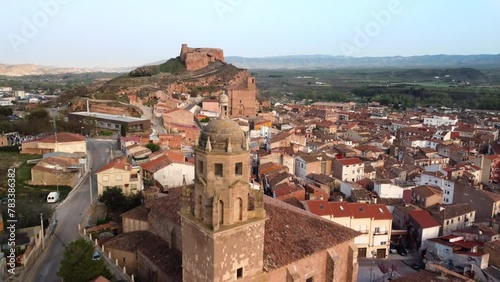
452	87
23	174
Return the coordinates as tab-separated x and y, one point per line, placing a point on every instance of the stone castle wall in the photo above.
198	58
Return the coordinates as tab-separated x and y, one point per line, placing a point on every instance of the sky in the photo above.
125	33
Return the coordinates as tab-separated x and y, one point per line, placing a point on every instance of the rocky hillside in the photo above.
145	83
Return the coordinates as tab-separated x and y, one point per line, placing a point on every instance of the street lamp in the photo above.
371	266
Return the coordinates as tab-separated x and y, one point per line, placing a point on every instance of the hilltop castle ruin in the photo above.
198	58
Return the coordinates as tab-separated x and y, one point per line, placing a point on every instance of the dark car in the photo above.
418	265
402	251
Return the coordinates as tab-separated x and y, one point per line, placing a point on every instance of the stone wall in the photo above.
127	259
223	252
42	177
198	58
335	264
130	225
242	98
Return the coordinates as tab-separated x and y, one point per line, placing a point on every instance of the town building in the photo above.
349	169
91	121
373	221
120	174
60	142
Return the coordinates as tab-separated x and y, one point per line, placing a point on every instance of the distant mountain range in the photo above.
31	69
326	61
293	62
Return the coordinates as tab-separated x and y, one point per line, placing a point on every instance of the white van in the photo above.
53	197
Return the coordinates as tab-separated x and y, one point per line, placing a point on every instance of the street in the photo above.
156	122
70	214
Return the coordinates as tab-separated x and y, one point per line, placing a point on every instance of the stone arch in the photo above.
221	212
238	209
199	207
241	109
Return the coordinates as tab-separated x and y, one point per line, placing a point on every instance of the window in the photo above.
310	279
383	243
377	230
452	221
105	178
218	170
200	167
133	186
447	222
239	273
118	177
238	169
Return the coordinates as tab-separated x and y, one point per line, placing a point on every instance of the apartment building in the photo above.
119	173
374	221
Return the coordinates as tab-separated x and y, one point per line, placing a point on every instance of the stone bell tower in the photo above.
223	216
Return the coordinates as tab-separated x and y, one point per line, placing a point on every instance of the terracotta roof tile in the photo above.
156	164
423	218
349	161
119	163
61	138
292	234
138	213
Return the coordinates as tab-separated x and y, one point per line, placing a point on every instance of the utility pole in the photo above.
43	233
55	150
90	179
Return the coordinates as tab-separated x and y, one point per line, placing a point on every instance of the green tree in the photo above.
77	263
123	130
153	147
114	199
5	111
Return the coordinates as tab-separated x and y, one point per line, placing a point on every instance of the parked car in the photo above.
418	265
96	256
402	251
53	197
392	249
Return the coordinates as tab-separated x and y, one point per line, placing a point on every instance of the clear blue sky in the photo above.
129	33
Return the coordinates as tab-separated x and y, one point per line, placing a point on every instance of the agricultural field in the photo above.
460	87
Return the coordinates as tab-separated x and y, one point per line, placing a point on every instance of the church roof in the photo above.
291	233
219	131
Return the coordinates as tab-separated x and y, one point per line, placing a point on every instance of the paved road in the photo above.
70	214
147	113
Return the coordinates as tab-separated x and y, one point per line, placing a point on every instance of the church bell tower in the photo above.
223	217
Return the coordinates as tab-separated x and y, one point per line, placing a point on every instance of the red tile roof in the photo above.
339	209
319	207
360	210
120	163
423	218
349	161
380	212
156	164
61	138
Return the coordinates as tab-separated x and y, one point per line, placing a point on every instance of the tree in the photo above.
5	111
114	199
77	263
153	147
123	130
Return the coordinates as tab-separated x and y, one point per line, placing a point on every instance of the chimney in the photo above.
88	108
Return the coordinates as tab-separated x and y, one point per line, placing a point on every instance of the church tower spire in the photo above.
224	209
